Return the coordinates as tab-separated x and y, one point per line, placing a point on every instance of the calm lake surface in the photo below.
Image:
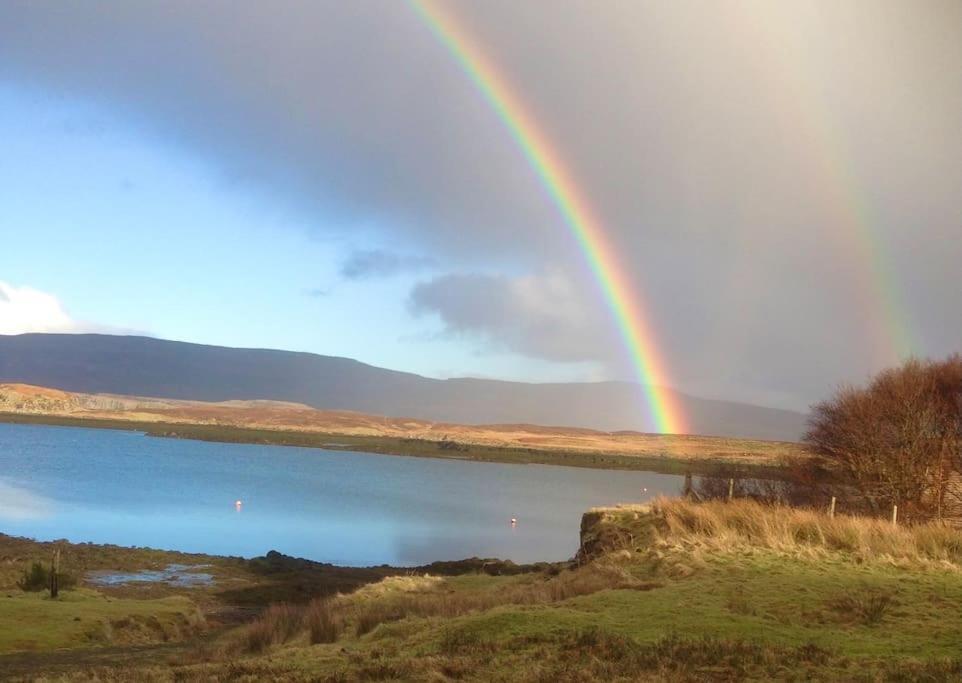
356	509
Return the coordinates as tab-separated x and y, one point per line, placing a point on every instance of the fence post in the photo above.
895	515
731	489
831	508
54	572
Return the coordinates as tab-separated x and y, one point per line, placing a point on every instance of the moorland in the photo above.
280	423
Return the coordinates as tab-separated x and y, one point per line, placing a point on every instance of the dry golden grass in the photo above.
288	417
325	620
395	585
744	524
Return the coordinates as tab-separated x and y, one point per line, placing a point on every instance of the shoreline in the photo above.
423	448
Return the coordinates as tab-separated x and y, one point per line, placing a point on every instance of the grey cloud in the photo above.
382	263
349	111
541	316
749	162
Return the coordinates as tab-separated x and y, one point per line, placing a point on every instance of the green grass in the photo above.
785	604
761	616
32	621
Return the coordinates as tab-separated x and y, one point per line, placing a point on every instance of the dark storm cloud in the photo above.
749	160
382	263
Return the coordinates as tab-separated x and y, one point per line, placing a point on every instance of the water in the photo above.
354	509
180	575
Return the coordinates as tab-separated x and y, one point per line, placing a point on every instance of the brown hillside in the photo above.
271	415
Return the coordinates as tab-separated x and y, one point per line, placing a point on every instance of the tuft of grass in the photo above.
324	625
868	608
277	624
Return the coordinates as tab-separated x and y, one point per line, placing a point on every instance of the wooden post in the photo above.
895	515
831	508
731	489
687	490
54	571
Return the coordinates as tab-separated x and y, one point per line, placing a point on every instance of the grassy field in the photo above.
673	592
32	621
90	620
703	456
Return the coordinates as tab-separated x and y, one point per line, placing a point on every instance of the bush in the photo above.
37	578
34	579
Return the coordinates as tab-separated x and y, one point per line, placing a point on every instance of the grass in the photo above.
675	591
722	526
32	621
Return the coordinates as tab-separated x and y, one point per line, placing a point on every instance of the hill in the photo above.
142	366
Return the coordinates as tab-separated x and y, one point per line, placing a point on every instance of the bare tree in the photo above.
896	441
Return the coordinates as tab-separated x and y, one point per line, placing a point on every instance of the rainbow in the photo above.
770	27
625	305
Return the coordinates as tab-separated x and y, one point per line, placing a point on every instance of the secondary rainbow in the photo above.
575	211
772	27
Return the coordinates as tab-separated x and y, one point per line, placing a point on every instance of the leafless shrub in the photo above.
897	441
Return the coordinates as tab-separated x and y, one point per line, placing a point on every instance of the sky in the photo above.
782	183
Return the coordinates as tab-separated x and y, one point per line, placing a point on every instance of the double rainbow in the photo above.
624	303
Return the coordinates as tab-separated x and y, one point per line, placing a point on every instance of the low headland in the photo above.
289	424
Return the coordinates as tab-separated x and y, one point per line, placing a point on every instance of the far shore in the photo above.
769	465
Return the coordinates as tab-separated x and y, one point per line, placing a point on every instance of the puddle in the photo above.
180	575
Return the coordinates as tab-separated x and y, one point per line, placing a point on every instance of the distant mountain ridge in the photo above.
144	366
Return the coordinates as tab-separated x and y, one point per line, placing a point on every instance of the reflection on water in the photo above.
108	486
180	575
19	503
